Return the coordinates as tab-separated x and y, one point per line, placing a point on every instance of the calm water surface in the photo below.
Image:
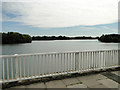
56	46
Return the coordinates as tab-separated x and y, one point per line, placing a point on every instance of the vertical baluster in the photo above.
100	59
3	67
28	62
93	60
76	61
113	58
110	58
65	62
99	54
11	68
57	66
81	62
85	61
24	65
16	67
42	64
60	60
52	64
103	59
97	59
31	67
70	61
88	60
38	65
7	70
105	56
47	63
116	58
55	62
61	63
58	63
34	65
20	67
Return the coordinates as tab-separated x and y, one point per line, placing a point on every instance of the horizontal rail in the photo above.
54	53
29	66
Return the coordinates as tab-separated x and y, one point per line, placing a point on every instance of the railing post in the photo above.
16	66
119	58
76	61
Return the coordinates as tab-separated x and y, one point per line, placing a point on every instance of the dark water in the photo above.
56	46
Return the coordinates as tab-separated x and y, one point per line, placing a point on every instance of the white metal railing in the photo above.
28	66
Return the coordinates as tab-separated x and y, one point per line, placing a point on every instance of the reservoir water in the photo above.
56	46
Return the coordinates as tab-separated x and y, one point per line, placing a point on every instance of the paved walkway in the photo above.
102	80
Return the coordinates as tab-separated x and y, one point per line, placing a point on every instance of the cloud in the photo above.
61	13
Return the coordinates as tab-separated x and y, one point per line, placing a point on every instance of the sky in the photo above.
60	17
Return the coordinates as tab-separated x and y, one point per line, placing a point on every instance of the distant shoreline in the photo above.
41	38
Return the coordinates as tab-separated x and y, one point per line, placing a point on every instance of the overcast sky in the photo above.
59	14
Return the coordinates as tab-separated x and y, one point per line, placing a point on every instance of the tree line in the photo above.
110	38
60	38
15	37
